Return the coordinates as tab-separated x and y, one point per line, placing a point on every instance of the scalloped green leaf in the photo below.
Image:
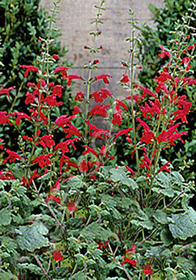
119	175
5	217
182	226
31	237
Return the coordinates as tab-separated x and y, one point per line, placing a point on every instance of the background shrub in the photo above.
22	25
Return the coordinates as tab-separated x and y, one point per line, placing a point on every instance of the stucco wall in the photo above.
75	18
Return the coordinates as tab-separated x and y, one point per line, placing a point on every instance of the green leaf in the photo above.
119	175
75	182
182	226
5	217
166	237
160	216
31	237
7	276
32	267
79	276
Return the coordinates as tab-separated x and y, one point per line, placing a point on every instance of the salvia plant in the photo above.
69	215
175	23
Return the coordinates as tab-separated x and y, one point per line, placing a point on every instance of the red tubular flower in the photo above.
165	167
147	91
100	95
54	198
164	53
84	166
123	132
63	120
71	131
29	68
3	118
57	255
62	69
30	98
7	175
63	146
98	132
57	90
71	206
19	117
101	245
147	269
71	77
121	104
76	110
117	118
56	56
128	260
12	156
125	79
79	96
6	91
99	110
90	150
51	101
47	141
133	172
104	77
42	160
1	144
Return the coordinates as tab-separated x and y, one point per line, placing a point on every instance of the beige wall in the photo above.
74	20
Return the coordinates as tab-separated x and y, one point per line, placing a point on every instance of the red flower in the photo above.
51	101
57	255
1	144
101	245
90	150
147	269
6	91
101	95
147	91
99	110
84	166
164	53
19	117
166	167
3	118
117	117
57	90
63	146
123	131
47	141
121	104
79	96
71	77
71	206
76	110
125	79
12	156
131	250
104	77
128	260
98	132
63	120
42	160
29	68
62	69
55	198
30	98
133	172
56	56
71	131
